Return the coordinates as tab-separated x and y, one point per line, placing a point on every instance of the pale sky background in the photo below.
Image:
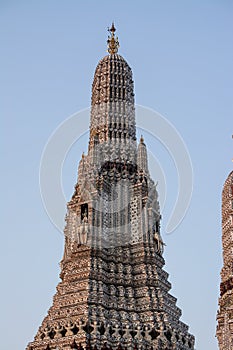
181	54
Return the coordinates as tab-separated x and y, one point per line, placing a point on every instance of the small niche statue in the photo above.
158	239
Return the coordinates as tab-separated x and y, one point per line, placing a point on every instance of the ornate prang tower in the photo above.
225	312
113	292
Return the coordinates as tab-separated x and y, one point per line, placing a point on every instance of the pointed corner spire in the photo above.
113	43
142	155
232	138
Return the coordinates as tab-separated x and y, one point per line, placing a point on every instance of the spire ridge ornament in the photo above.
113	43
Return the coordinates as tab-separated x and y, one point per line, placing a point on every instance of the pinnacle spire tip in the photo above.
113	43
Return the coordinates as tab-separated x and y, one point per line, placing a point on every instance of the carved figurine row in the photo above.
114	332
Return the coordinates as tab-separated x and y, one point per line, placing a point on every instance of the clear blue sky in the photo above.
181	54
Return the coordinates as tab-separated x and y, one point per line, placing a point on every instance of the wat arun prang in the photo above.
225	312
113	292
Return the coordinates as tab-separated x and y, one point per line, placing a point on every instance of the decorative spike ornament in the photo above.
113	43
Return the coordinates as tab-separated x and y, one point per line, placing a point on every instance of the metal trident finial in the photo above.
113	43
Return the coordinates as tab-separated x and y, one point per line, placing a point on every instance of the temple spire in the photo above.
113	291
113	43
